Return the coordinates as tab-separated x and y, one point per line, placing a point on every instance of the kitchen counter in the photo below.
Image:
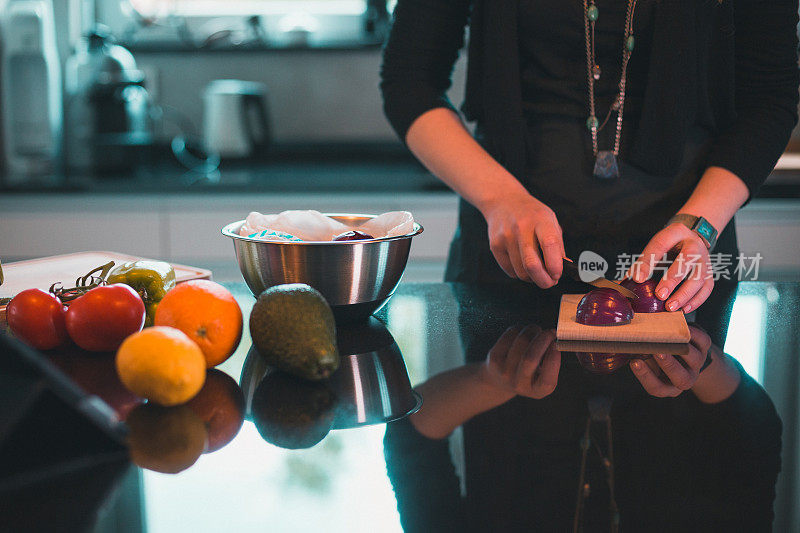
289	169
483	453
323	168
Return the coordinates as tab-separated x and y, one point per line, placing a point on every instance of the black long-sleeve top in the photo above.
730	65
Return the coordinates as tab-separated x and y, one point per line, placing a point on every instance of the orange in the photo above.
207	312
161	364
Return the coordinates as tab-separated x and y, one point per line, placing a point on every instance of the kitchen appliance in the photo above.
356	277
236	119
31	88
109	130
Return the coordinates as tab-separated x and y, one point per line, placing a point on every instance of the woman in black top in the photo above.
710	99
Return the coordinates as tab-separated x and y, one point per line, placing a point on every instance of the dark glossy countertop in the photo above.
289	168
496	445
320	168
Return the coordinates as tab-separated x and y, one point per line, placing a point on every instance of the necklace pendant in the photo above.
596	72
605	166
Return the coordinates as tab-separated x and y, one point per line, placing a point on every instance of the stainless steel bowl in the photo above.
355	277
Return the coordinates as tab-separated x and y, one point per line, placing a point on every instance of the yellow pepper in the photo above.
151	279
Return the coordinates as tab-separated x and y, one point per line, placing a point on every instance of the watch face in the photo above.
706	230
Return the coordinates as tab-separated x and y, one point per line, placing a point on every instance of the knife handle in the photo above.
571	269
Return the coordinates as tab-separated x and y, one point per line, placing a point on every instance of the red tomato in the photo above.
102	318
36	318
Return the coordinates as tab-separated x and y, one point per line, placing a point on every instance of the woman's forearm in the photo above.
717	197
453	397
719	381
441	142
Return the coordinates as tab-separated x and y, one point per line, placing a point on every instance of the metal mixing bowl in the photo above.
355	277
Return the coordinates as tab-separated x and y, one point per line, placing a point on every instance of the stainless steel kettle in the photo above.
236	119
108	108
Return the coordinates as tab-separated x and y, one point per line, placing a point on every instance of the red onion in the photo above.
647	301
353	236
604	307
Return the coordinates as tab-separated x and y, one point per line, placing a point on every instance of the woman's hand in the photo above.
691	268
525	239
666	375
523	362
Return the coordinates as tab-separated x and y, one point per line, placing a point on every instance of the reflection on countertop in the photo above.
499	441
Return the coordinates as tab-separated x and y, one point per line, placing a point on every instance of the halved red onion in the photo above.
604	307
353	236
647	301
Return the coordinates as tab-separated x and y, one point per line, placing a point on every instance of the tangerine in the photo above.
161	364
208	313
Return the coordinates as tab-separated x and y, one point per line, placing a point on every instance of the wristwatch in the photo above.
699	225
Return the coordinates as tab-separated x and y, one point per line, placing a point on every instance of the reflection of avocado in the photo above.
165	439
292	413
292	327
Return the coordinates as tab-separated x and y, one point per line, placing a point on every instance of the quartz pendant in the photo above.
596	72
605	166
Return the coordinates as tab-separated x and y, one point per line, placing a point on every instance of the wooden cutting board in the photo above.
615	347
43	272
645	327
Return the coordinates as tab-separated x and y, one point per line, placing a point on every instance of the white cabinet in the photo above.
186	229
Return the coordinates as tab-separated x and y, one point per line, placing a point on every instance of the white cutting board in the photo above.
43	272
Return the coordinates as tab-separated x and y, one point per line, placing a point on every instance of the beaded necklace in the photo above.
606	166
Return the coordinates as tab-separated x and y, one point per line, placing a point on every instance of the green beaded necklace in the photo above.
606	166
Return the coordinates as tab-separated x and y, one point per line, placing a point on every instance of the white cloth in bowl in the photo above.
391	224
314	226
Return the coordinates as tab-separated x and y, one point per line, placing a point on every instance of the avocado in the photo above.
292	327
292	413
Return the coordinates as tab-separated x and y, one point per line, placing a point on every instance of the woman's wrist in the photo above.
717	197
719	381
504	189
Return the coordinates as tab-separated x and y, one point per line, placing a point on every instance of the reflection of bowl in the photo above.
372	382
355	277
371	385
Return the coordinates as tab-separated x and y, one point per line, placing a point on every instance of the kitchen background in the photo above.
153	187
331	149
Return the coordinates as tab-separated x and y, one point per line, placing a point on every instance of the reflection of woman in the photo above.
706	461
597	121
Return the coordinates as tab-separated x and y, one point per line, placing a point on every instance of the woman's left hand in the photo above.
668	376
691	268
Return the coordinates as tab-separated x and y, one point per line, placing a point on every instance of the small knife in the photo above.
571	269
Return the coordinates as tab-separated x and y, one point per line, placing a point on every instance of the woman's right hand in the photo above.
525	239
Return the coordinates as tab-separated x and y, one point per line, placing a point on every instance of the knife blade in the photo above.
571	270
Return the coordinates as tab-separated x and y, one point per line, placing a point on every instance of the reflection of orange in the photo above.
97	375
220	404
165	439
207	312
